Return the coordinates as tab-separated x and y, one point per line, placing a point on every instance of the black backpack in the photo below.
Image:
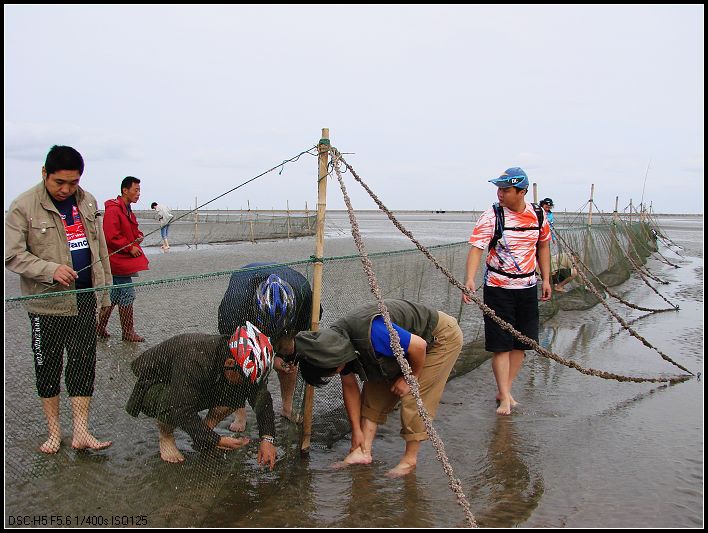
499	223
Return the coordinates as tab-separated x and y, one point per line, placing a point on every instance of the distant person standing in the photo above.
547	205
515	234
52	236
165	217
127	257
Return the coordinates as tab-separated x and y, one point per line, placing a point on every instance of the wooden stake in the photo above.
323	150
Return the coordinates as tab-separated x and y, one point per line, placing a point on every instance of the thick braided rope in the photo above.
604	285
435	439
642	271
491	314
632	332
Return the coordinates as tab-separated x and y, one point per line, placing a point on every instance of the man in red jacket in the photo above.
127	258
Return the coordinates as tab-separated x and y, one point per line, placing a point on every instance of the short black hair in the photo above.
63	158
314	375
152	205
127	182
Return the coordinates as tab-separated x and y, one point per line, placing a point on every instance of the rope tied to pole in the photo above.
438	445
490	312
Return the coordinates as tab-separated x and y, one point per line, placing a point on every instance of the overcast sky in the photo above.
431	101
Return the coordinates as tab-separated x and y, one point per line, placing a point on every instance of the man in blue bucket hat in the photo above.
515	233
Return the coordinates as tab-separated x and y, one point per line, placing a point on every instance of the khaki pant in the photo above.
378	401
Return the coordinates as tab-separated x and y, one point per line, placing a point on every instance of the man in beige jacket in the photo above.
53	240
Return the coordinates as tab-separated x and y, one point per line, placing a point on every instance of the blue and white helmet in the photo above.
275	299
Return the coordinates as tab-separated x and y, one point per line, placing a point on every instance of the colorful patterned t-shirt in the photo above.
515	252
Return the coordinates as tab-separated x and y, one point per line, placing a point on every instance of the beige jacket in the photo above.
36	244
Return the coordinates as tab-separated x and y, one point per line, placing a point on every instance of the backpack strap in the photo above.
498	224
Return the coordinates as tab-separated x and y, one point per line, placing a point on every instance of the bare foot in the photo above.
504	408
89	442
558	288
513	402
52	444
169	451
239	423
400	470
356	457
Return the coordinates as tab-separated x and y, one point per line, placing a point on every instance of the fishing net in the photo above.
120	480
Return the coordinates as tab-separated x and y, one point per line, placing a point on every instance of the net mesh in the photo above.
131	472
195	228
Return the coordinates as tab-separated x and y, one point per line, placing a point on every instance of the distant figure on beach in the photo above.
41	225
165	217
510	276
127	258
547	205
278	300
360	345
191	372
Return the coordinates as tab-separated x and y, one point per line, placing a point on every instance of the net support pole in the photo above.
587	235
323	156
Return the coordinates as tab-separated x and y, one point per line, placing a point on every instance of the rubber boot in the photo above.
103	316
126	324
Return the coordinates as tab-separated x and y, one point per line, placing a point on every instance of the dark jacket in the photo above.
193	366
239	302
348	340
121	229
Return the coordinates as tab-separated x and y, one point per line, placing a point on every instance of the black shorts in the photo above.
51	335
518	307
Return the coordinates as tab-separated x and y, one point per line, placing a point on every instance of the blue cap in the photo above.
512	177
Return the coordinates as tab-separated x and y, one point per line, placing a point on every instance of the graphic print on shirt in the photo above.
75	233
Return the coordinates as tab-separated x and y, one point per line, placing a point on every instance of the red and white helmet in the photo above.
253	352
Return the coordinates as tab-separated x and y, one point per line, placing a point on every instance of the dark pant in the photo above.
51	334
518	307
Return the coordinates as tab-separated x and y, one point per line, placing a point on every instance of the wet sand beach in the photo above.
577	452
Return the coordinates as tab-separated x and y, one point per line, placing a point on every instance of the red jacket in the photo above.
121	230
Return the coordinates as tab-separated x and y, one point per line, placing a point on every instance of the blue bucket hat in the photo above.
512	177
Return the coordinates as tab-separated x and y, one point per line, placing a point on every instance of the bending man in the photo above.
359	344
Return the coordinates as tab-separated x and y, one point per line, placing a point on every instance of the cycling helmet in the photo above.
251	352
546	201
275	300
512	177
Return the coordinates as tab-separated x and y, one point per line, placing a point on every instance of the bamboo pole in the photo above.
586	247
196	225
250	220
287	206
613	231
323	150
